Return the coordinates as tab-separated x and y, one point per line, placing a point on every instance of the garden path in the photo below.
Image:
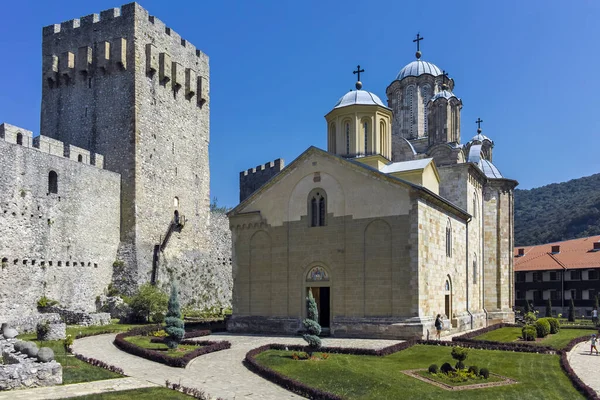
586	366
76	389
220	374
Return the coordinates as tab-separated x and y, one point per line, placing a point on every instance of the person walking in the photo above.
438	327
593	344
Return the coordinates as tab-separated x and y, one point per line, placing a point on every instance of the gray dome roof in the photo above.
359	97
446	94
417	68
480	138
484	165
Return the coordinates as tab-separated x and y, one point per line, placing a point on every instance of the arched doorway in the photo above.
317	281
448	298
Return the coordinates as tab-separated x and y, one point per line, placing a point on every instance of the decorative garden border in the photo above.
304	390
180	362
506	381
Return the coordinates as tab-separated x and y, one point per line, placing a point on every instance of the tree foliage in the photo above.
557	212
572	311
149	302
549	308
174	323
312	325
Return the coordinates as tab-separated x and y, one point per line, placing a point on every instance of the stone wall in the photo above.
254	178
61	245
28	323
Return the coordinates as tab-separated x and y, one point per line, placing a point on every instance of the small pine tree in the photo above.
549	308
527	307
174	323
572	311
312	325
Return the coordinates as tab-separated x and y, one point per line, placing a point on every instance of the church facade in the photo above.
395	223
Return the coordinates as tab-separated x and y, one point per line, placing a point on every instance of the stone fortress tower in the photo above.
116	187
125	85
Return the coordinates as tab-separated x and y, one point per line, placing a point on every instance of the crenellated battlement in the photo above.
254	178
23	137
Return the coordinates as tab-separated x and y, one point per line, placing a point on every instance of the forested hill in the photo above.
559	211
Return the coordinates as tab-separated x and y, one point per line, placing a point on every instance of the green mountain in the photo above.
559	211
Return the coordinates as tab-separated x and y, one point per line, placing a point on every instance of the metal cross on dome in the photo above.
417	40
478	122
358	71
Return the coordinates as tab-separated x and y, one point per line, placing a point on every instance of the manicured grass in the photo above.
556	341
141	394
75	330
369	377
144	342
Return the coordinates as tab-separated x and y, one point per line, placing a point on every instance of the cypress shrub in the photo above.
529	333
549	308
572	311
312	325
174	323
554	325
542	327
484	372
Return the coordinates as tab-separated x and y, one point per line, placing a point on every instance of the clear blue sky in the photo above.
529	69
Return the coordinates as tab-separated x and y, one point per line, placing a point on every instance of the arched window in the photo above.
382	143
332	146
475	205
409	103
474	268
52	182
449	239
80	158
366	133
317	207
347	138
20	138
448	298
176	202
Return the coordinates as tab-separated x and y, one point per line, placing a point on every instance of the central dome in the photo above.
359	97
417	68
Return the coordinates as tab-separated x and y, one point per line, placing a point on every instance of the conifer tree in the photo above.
312	325
572	311
174	323
549	308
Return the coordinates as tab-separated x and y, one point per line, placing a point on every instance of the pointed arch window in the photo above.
449	239
382	143
317	207
52	182
366	132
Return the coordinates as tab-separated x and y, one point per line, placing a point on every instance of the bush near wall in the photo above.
180	362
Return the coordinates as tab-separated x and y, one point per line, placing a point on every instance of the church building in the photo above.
396	222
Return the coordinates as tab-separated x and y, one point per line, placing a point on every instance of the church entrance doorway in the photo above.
318	283
322	298
448	299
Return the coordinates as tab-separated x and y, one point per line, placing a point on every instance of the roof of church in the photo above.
480	138
406	165
417	68
446	94
484	165
359	97
572	254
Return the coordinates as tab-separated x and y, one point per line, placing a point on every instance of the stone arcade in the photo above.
397	222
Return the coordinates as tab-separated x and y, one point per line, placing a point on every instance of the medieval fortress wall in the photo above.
124	85
61	245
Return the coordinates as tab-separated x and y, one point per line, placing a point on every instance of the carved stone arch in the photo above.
317	278
377	268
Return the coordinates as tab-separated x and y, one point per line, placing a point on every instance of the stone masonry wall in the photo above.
254	178
61	245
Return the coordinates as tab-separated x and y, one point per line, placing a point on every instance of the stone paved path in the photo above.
586	366
77	389
220	374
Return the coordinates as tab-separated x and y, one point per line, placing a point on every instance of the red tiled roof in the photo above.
574	254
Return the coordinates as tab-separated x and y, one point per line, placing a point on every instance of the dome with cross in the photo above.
359	97
418	68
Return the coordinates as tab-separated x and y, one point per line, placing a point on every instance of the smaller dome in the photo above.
484	165
446	94
417	68
359	97
479	138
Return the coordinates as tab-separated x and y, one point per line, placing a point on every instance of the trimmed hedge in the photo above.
554	325
180	362
542	327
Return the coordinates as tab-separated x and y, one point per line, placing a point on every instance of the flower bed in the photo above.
424	376
157	356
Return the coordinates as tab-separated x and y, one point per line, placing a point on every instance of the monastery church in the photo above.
396	222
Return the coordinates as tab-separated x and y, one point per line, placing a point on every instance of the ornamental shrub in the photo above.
433	369
572	311
530	318
554	325
484	372
529	333
446	368
460	353
474	369
460	365
542	327
148	301
549	308
174	323
312	325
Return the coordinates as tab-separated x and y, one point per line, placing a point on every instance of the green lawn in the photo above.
442	378
369	377
144	341
556	341
142	394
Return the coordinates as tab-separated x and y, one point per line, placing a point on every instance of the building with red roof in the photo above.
560	272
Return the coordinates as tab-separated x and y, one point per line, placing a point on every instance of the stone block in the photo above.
190	87
104	55
151	59
202	90
84	59
50	68
66	65
178	75
119	52
45	355
165	67
49	145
